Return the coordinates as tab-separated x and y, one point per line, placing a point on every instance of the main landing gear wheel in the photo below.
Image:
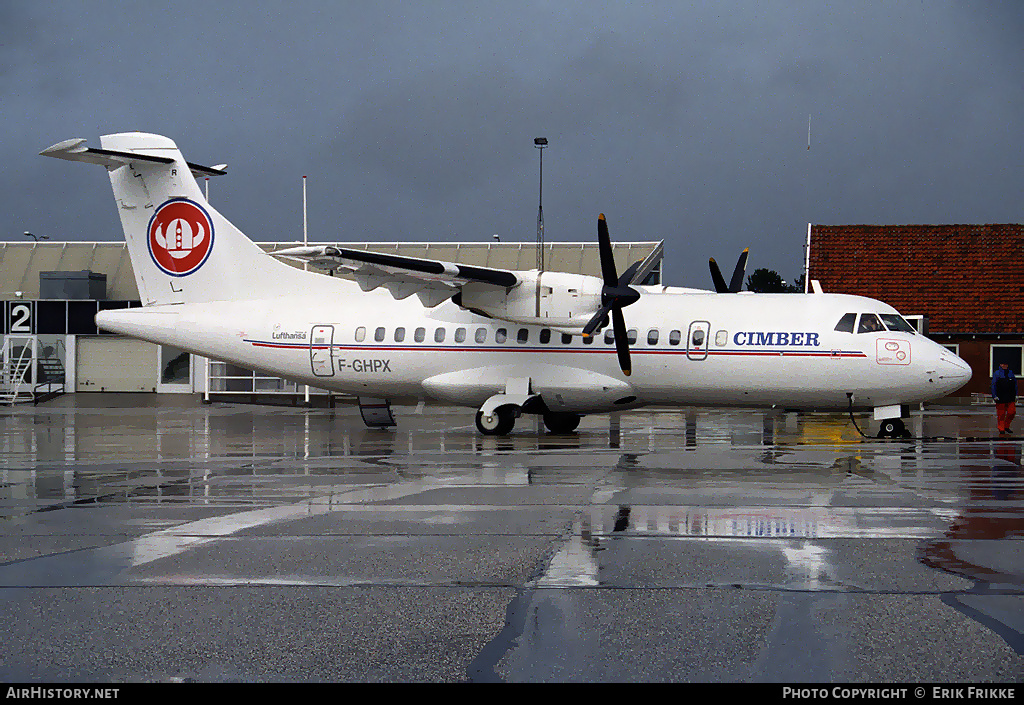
561	423
893	428
499	423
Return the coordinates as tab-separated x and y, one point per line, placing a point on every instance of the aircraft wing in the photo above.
432	280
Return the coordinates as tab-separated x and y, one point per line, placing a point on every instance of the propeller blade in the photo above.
627	277
604	248
615	295
621	341
737	275
595	321
716	277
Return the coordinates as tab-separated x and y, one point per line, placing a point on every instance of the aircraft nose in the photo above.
950	372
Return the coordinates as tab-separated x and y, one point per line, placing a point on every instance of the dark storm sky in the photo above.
415	120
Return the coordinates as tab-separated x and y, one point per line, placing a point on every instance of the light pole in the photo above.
36	238
540	143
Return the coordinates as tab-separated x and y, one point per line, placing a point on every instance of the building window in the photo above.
953	348
1010	354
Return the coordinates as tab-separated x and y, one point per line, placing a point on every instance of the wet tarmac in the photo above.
152	538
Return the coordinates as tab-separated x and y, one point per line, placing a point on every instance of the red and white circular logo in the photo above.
180	237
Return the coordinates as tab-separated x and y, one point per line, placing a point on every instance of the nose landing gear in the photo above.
893	428
497	423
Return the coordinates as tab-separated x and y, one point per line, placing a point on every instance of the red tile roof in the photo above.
966	278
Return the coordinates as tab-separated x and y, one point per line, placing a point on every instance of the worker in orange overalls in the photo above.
1004	393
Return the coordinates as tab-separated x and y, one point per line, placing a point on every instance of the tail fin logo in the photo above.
180	237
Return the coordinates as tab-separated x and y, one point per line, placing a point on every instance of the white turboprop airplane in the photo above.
504	342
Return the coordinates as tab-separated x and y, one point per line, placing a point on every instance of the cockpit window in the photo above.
894	321
869	323
845	324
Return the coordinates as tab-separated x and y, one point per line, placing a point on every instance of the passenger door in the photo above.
697	340
321	355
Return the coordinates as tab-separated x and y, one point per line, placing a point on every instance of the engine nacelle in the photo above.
567	301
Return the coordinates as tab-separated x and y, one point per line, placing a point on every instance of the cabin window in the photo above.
378	335
631	336
869	323
545	336
894	321
523	336
698	338
675	337
360	334
460	335
609	337
399	335
481	335
652	336
722	338
439	335
845	324
500	335
420	335
566	338
588	340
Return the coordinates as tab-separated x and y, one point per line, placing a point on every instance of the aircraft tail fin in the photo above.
182	249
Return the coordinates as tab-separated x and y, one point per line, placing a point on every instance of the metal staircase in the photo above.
27	377
49	377
17	356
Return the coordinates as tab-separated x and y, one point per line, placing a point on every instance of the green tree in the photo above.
766	281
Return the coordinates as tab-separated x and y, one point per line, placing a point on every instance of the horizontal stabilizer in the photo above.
75	150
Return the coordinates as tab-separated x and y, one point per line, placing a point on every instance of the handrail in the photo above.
14	369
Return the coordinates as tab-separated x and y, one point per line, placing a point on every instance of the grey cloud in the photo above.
415	121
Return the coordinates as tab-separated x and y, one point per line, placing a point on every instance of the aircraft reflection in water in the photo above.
977	544
991	512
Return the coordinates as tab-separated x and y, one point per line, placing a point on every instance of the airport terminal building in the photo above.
50	292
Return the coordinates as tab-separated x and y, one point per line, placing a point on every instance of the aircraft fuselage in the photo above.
690	349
